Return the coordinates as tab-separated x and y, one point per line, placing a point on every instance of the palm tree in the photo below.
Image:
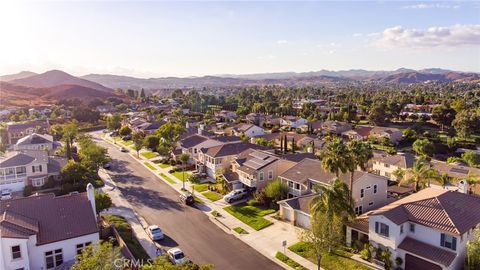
472	180
360	154
335	157
444	180
334	200
420	174
184	157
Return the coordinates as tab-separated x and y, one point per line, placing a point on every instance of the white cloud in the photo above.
357	35
282	41
267	57
452	36
431	5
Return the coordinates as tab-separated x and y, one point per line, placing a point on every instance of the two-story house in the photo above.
426	230
45	231
395	135
292	122
360	133
335	127
18	131
369	190
192	145
28	167
35	141
250	130
385	165
256	168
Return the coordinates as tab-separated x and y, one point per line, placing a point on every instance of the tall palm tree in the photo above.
334	200
420	174
472	180
360	153
444	180
335	158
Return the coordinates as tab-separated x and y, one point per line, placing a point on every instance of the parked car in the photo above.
6	194
177	256
123	149
187	198
126	138
107	165
155	233
235	195
105	131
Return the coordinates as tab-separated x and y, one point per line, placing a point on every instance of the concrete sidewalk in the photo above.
267	241
123	208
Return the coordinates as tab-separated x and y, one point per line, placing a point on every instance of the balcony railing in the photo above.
248	182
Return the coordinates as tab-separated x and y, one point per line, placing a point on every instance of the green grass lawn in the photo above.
149	165
127	143
198	200
125	232
148	154
212	196
163	165
338	260
170	180
201	187
293	264
240	230
179	174
251	215
117	138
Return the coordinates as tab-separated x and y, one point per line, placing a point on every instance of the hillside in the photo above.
20	75
54	78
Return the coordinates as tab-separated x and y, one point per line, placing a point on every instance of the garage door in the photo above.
303	220
416	263
210	173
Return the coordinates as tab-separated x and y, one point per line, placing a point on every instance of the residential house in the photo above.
250	130
226	116
311	144
18	131
35	141
278	137
335	127
395	135
257	168
360	133
148	127
292	122
28	167
193	143
426	230
385	165
45	231
312	127
256	119
369	190
106	108
217	158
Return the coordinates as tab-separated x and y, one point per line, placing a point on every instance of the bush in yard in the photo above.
102	201
365	254
253	202
193	178
27	191
49	184
276	190
262	198
125	130
152	142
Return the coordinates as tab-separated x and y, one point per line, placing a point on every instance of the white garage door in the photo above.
303	220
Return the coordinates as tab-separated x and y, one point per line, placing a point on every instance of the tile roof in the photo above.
23	126
297	157
35	138
23	157
432	253
230	177
192	140
454	170
229	149
301	203
404	160
51	218
444	210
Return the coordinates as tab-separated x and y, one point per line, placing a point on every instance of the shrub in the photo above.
49	184
262	198
253	202
27	191
398	261
365	254
194	178
216	214
284	258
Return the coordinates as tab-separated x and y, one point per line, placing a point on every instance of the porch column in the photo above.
349	237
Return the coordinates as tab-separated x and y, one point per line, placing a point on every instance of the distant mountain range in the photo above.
28	87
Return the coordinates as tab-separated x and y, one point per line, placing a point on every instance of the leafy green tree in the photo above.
420	174
152	141
92	155
170	132
276	190
114	122
473	251
102	201
125	130
102	256
443	115
471	158
444	180
466	123
74	172
335	158
423	147
184	157
137	139
377	115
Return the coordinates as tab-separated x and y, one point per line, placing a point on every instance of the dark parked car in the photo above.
126	138
187	198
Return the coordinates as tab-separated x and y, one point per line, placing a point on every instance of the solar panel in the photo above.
459	170
259	155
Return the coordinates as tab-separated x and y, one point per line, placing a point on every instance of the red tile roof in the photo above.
432	253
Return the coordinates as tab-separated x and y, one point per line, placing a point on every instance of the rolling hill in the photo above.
20	75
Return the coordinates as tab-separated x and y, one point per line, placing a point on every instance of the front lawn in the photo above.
338	260
170	180
201	187
179	174
285	259
127	143
149	165
125	231
251	215
212	196
148	154
163	165
240	230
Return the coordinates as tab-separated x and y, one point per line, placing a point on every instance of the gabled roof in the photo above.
427	251
192	140
230	149
454	170
17	159
35	138
300	203
403	161
444	210
51	218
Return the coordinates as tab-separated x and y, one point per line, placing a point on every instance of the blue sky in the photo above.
147	39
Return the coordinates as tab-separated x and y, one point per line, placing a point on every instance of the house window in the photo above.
387	165
80	247
370	203
270	175
358	210
382	229
16	252
53	258
361	193
374	189
401	229
448	241
412	227
37	168
37	182
260	176
290	184
297	186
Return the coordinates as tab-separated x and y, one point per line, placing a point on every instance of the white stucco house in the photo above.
292	121
426	230
46	232
35	141
250	130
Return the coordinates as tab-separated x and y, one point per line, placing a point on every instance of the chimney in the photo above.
252	140
201	127
187	125
463	186
91	198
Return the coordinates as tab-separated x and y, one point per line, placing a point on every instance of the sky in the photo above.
155	39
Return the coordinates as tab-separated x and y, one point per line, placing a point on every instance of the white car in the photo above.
235	195
6	194
155	233
177	256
